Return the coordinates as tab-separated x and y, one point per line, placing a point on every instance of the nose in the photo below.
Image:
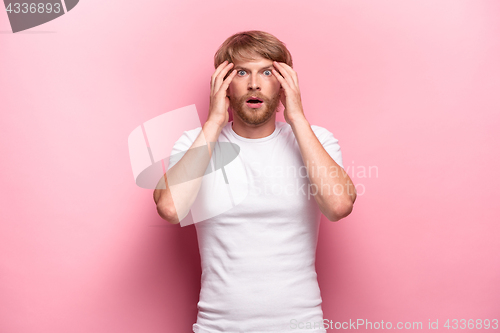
253	83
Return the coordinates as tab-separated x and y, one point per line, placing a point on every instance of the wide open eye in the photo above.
269	73
241	71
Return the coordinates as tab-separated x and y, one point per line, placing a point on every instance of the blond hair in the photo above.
248	44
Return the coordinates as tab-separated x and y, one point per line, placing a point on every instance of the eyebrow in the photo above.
241	67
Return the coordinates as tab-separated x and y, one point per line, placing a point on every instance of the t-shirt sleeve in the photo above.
329	142
182	145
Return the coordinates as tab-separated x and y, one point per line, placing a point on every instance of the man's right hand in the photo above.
173	203
219	101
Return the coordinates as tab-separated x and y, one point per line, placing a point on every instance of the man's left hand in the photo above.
290	92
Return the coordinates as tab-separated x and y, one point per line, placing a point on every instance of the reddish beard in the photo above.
254	116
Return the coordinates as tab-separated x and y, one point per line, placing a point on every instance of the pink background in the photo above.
410	88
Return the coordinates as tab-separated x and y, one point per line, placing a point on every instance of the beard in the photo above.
254	116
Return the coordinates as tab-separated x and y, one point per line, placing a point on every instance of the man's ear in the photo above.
282	98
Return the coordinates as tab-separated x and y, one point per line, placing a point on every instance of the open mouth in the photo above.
254	102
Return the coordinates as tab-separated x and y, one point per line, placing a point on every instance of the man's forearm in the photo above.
333	189
176	191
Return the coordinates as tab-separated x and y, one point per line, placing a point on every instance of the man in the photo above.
258	258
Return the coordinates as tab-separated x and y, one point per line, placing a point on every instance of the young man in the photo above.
258	258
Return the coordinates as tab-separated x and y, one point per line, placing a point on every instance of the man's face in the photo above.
254	79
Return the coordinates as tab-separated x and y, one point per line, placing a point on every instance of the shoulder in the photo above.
185	140
320	131
182	145
190	135
194	131
324	135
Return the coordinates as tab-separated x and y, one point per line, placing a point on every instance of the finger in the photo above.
220	77
282	81
284	73
227	81
217	71
287	72
214	75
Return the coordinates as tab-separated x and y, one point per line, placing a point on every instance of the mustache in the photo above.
246	97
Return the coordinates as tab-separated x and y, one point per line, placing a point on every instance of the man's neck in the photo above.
254	132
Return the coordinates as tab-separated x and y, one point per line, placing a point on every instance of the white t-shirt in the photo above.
258	258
